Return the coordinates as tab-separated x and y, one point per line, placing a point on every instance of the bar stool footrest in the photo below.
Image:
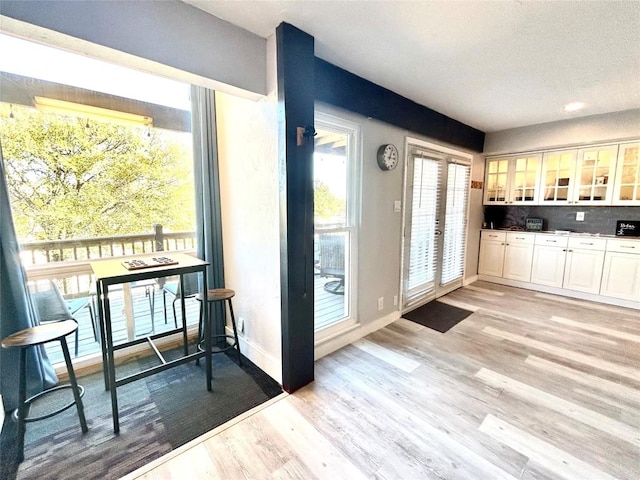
214	349
32	399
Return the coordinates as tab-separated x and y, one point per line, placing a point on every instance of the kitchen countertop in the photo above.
564	233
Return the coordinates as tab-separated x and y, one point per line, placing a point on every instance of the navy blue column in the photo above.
295	68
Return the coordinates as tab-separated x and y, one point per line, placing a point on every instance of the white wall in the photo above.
168	33
247	153
579	131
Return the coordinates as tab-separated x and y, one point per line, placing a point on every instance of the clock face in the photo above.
387	157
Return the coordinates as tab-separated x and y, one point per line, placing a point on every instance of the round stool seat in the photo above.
217	295
40	334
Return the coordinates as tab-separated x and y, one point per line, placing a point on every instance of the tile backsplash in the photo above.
596	219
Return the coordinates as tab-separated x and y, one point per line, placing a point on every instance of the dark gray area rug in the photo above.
157	414
437	315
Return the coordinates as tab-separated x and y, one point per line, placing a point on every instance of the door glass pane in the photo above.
424	205
455	223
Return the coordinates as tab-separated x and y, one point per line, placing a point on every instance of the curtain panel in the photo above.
207	190
17	312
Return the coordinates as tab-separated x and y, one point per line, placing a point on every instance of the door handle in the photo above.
438	233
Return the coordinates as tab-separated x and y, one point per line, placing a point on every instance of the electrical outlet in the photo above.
241	324
380	303
580	216
395	300
397	206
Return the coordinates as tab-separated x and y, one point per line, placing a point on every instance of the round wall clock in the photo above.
387	156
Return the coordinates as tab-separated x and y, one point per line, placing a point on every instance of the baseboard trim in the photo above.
266	362
562	292
470	280
351	334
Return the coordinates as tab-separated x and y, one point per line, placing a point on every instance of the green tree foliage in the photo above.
73	178
326	204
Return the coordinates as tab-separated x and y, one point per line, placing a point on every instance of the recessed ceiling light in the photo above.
573	106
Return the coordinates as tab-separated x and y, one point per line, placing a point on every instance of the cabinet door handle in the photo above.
627	246
520	238
564	249
588	243
552	241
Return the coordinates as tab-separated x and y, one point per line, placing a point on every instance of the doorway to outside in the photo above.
335	214
435	222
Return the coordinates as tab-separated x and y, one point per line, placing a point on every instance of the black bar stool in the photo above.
39	335
220	295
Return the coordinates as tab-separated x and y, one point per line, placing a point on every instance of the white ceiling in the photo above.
490	64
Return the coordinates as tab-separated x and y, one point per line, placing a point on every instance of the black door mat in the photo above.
437	315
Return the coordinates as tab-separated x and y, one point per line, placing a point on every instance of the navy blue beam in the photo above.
343	89
295	68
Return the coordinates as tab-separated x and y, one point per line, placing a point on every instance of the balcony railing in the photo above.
68	261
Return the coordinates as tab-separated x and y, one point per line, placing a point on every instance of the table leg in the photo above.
184	317
103	343
110	361
207	329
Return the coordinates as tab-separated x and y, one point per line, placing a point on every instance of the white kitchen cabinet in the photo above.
491	260
626	189
506	254
576	265
518	256
512	180
595	171
583	265
578	177
558	172
621	272
549	254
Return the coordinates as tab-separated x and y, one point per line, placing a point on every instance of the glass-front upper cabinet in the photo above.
558	169
512	180
495	185
595	171
626	190
583	176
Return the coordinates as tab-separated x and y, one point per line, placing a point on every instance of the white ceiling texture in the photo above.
490	64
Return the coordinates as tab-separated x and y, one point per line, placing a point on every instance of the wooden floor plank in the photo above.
517	390
539	451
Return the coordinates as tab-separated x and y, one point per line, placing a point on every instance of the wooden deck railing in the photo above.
67	261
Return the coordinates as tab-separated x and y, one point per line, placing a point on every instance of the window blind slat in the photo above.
423	247
455	222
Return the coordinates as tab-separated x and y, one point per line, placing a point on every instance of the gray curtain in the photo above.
207	188
17	312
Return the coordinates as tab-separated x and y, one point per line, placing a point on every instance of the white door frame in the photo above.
439	150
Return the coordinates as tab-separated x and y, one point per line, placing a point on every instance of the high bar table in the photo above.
111	272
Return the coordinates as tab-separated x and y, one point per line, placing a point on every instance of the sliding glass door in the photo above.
436	199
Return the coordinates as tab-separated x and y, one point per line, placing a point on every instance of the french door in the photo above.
436	204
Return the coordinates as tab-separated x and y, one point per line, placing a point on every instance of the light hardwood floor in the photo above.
530	386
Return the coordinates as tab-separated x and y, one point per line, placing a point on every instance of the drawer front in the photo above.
583	243
517	237
552	240
493	235
623	246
